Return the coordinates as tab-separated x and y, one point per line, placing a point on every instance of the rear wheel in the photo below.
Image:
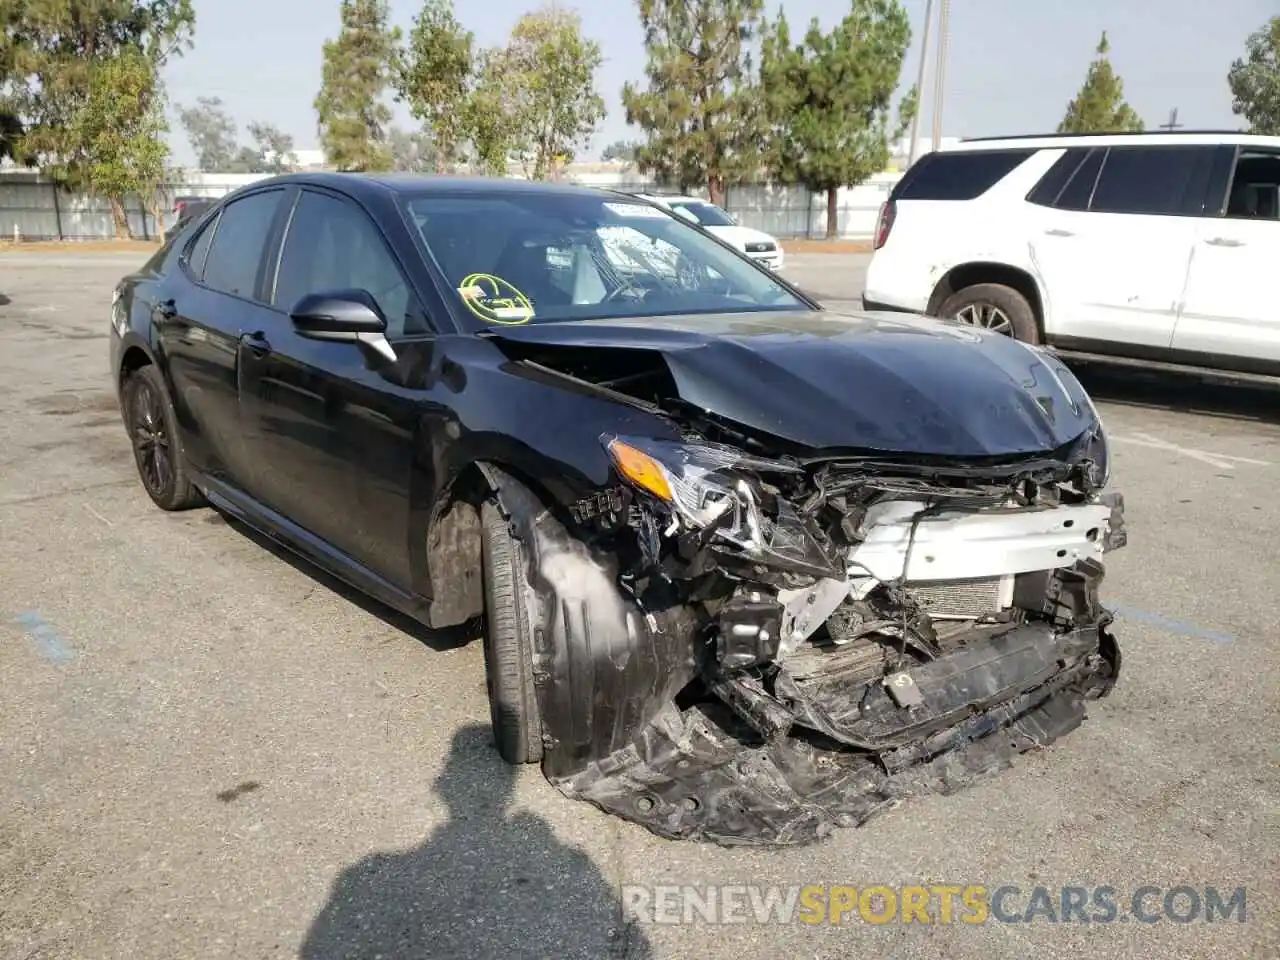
508	646
993	306
157	449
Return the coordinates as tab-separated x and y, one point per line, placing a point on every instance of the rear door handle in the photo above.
1059	233
258	344
1224	242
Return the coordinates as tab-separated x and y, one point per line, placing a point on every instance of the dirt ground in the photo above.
80	246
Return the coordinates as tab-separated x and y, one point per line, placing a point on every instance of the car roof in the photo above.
1146	139
365	184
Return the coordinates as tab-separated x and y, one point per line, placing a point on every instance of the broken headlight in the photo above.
718	489
1097	451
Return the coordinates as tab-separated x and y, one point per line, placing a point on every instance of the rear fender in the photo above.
603	668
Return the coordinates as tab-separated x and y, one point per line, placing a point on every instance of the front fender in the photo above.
603	668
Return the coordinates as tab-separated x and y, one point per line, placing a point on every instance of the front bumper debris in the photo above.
763	688
701	774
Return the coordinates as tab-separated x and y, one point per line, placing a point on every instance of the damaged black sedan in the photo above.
747	568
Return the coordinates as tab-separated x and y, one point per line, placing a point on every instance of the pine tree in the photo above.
1100	107
700	109
353	117
829	98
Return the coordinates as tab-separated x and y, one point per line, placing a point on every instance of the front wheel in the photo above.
508	646
996	307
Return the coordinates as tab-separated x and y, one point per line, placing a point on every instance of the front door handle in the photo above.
1224	242
258	344
1059	233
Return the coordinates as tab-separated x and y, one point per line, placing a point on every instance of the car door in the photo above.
331	435
1112	248
199	317
1229	307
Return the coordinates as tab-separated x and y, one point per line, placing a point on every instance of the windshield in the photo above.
705	214
524	256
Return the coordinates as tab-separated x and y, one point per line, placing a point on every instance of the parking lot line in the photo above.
1223	461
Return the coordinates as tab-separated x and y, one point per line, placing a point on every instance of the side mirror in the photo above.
347	316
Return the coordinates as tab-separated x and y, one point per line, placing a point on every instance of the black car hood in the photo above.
852	381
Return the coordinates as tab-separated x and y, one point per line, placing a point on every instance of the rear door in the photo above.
198	323
1112	247
331	435
1229	310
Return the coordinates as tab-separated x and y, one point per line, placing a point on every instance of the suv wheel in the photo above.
995	307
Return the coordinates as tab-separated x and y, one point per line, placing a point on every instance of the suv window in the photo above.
958	175
1079	189
333	245
236	252
1255	186
1153	180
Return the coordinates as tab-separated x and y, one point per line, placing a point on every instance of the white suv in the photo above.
1154	249
756	244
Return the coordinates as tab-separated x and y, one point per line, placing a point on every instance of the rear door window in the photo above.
957	175
235	255
1166	180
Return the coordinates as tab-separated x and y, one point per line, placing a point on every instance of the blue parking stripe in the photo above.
1174	626
48	641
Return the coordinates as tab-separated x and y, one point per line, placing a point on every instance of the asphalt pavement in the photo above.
209	750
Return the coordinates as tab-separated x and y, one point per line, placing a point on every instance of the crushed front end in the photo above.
812	639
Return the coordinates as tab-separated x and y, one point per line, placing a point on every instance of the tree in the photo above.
1255	81
353	118
490	119
273	147
121	129
411	152
54	53
699	110
1100	107
624	150
828	99
551	72
211	132
433	75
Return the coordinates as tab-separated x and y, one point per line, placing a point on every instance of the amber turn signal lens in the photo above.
641	469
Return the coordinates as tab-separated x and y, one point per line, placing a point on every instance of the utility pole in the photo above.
1172	123
939	79
924	62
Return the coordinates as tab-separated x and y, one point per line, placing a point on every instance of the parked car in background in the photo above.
186	209
756	244
1144	249
746	567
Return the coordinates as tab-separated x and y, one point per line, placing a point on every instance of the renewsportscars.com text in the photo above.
930	904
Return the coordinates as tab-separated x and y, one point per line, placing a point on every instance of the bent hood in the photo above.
852	381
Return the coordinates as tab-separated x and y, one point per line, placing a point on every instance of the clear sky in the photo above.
1013	64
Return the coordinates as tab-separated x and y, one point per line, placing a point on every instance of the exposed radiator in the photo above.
963	599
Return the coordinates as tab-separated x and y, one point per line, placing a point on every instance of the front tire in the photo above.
157	445
508	646
993	306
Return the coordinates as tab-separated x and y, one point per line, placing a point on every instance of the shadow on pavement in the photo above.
487	883
1186	394
445	639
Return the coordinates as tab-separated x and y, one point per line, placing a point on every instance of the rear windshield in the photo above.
957	175
704	213
522	256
